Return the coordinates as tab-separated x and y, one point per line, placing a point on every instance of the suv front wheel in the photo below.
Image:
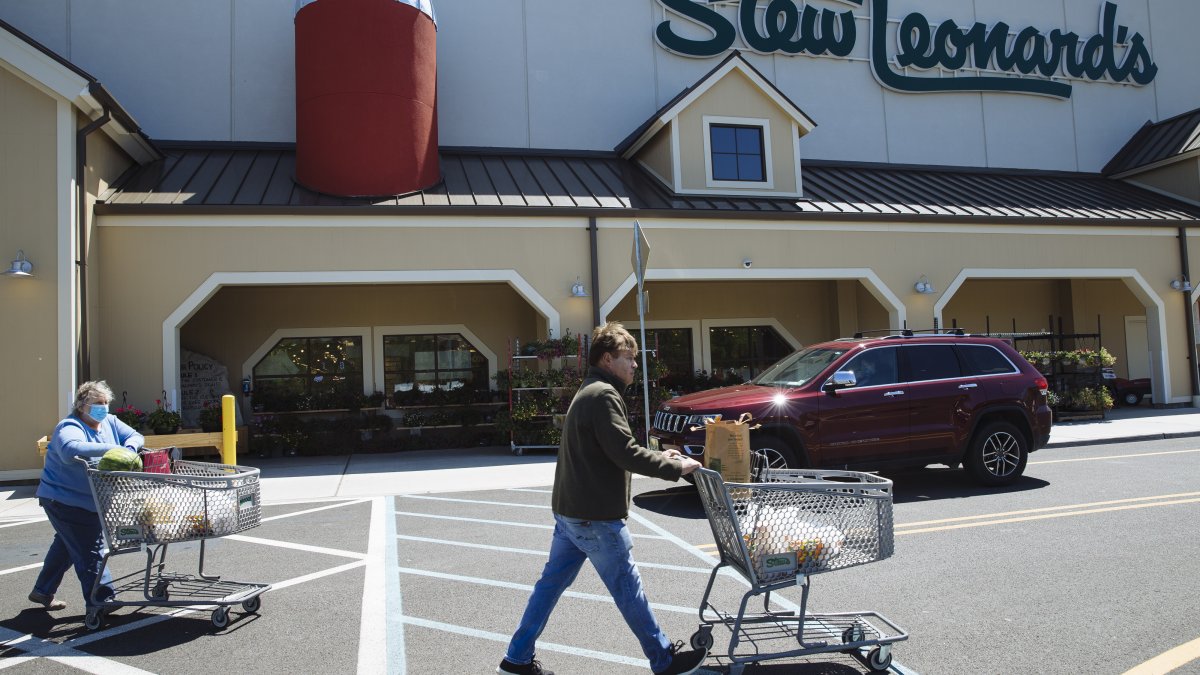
769	452
997	454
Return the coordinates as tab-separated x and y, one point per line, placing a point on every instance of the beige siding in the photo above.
656	156
735	96
28	221
1181	178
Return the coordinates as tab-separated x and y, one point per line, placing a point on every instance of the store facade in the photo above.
788	197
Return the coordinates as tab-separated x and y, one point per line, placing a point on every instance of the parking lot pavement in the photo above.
396	584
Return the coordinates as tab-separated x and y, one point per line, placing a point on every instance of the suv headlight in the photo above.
701	420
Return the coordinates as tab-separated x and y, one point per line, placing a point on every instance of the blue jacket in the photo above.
63	478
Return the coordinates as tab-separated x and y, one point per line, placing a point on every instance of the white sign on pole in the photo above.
641	256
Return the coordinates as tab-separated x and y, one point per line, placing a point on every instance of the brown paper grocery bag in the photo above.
727	448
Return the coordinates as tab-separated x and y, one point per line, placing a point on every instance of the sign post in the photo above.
641	255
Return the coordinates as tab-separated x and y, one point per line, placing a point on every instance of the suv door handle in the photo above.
898	392
967	386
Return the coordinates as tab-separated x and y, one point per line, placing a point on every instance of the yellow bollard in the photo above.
228	431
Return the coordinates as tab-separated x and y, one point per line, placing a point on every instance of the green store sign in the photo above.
1027	60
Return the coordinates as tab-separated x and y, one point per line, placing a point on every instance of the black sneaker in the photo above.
534	667
683	663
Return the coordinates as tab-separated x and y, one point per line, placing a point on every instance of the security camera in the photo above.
746	262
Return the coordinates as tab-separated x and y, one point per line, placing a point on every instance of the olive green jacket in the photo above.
598	454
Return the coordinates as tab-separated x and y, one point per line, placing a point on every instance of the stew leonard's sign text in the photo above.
1025	61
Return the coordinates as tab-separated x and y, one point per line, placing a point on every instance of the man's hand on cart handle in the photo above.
689	464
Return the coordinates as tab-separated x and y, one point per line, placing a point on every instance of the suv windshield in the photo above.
798	368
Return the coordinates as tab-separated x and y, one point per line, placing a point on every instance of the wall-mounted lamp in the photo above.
21	268
1180	284
577	289
747	263
923	286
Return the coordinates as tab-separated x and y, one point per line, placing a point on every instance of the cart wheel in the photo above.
162	591
252	605
703	639
852	634
879	663
220	617
94	618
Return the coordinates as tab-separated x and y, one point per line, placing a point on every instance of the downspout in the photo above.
1189	322
83	357
595	272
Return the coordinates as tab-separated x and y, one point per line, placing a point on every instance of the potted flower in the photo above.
162	420
130	415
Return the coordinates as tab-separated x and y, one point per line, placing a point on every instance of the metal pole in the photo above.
637	244
1190	321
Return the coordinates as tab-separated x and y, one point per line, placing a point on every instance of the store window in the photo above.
741	352
673	347
310	373
737	153
421	364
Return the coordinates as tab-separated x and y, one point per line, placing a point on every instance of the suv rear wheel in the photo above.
770	452
997	454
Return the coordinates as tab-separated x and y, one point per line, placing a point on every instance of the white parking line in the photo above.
545	492
543	554
297	547
541	645
373	624
319	508
477	501
500	522
20	569
526	587
27	521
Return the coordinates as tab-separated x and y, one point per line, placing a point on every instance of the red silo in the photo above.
366	97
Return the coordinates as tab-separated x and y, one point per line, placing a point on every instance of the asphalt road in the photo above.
1087	565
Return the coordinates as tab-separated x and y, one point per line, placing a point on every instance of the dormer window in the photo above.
737	152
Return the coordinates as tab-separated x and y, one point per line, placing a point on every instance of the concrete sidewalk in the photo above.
358	476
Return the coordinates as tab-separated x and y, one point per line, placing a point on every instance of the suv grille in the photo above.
670	422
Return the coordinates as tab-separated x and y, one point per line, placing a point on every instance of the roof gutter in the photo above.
83	358
1189	320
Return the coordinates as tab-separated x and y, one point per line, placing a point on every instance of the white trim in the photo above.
1163	230
1156	319
363	332
795	131
31	65
764	126
676	159
897	312
476	342
214	282
740	193
391	222
706	326
66	333
1168	161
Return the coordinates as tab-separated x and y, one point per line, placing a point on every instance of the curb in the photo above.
1122	439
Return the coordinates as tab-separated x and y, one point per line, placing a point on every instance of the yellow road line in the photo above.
1044	516
1094	459
1168	661
1048	508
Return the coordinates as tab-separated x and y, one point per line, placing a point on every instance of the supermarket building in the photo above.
838	166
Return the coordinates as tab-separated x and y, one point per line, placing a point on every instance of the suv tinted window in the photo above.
984	360
930	362
874	367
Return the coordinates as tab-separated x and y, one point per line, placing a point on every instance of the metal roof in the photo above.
1156	142
258	179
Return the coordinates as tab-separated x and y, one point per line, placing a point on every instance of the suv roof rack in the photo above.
891	334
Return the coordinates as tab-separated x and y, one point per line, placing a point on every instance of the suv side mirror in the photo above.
842	379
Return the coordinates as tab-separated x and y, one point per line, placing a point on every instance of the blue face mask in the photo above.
98	411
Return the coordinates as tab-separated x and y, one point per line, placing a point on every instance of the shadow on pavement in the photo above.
680	501
921	485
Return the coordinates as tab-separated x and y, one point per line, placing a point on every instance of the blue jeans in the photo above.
607	544
79	543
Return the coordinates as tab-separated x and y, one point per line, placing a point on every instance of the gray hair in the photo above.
89	393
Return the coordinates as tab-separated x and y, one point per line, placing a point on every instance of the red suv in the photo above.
872	403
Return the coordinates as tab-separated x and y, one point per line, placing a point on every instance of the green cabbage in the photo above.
120	459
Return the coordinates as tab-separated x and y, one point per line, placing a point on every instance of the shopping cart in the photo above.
147	511
779	532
